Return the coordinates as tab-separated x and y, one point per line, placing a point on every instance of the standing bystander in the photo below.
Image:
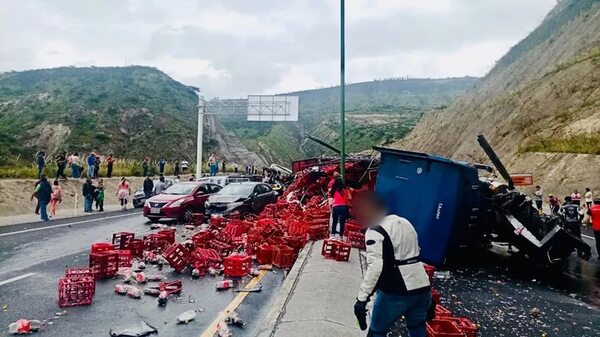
110	161
56	198
538	197
43	192
594	213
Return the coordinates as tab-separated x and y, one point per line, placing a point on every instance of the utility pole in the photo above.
342	93
201	107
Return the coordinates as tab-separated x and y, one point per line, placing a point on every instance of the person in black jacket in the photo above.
43	192
61	164
148	187
88	195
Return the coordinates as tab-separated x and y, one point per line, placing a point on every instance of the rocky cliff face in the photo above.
539	107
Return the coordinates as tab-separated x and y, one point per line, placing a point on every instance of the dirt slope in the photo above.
546	89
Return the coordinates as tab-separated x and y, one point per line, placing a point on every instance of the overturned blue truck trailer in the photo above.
452	206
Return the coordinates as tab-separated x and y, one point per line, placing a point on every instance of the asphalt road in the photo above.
503	293
34	256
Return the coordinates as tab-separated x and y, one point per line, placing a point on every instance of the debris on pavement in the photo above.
250	290
24	326
143	330
223	330
187	316
234	319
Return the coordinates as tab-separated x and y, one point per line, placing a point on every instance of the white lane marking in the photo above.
68	224
10	280
589	237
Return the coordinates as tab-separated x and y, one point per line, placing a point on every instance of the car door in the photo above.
200	195
264	196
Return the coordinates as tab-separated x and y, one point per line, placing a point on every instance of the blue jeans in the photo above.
90	172
388	308
43	211
74	171
40	171
213	169
87	203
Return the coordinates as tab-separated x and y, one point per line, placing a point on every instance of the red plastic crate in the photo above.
464	324
75	291
79	272
99	247
336	250
178	256
356	240
237	265
352	227
121	240
283	256
125	258
217	220
438	328
297	228
430	270
435	296
264	255
105	264
318	232
204	258
236	229
169	234
201	239
155	242
224	249
171	287
136	246
441	311
197	219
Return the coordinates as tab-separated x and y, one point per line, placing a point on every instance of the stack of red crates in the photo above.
283	256
105	264
100	247
177	256
336	250
125	258
76	288
237	265
318	232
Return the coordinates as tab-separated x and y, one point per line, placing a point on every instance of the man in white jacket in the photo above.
394	270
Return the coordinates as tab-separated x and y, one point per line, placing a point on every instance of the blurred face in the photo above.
367	213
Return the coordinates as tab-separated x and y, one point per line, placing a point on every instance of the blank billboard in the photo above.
269	108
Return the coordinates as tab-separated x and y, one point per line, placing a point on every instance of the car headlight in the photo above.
234	204
177	203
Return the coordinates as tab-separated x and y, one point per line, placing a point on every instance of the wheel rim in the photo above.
187	215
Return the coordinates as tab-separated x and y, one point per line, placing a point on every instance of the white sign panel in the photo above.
269	108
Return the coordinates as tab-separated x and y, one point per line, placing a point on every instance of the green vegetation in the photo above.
378	112
586	144
129	111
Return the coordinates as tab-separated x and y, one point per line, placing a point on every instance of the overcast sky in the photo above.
231	48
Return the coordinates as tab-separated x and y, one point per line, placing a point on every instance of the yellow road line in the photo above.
212	328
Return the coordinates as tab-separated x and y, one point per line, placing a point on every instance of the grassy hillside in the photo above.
378	112
131	111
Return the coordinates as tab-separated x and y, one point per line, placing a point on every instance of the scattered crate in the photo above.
201	239
217	220
439	328
136	246
237	265
171	287
224	249
441	311
264	254
430	270
463	324
100	247
105	264
435	296
169	234
283	256
318	232
356	240
122	240
336	250
204	258
155	242
125	258
74	291
177	256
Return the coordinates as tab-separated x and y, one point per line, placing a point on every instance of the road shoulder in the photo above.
317	298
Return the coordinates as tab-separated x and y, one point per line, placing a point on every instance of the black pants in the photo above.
100	205
176	171
577	202
109	170
597	236
339	214
60	171
538	204
145	171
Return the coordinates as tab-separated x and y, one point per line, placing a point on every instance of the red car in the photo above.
179	201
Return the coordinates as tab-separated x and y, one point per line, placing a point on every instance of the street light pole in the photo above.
342	93
201	107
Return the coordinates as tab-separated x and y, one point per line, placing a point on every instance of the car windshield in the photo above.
237	189
180	189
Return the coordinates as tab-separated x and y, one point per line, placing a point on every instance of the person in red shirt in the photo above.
594	212
340	199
